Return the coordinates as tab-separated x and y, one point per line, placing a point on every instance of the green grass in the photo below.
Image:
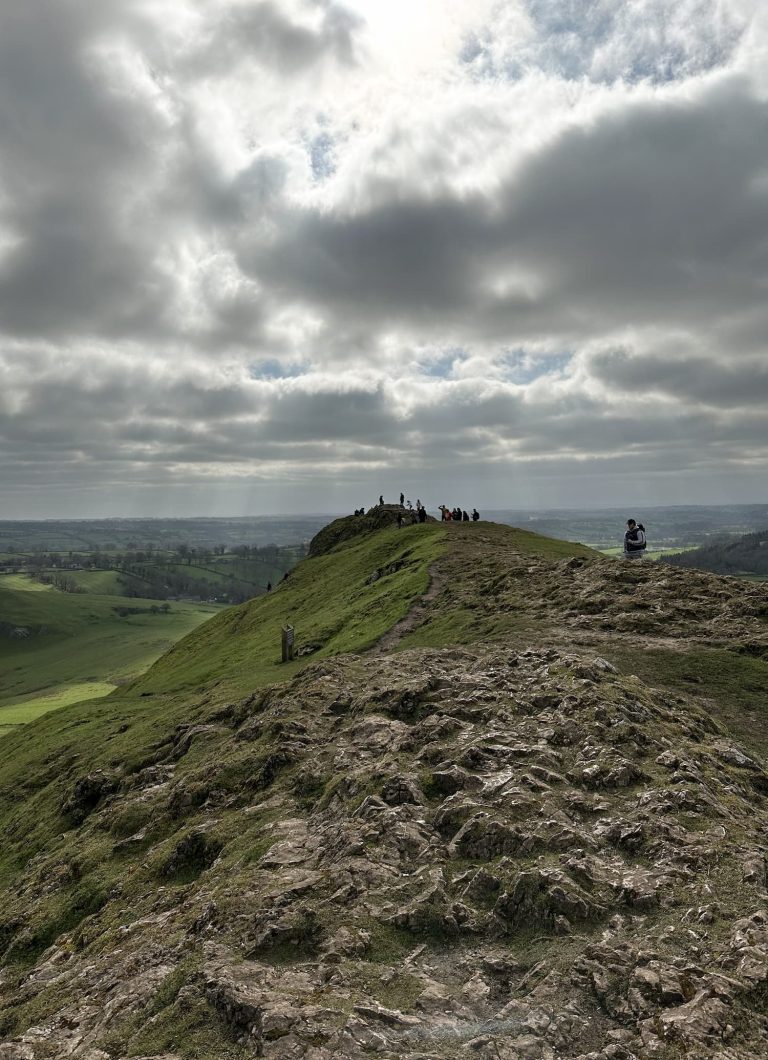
651	553
22	711
100	582
328	601
732	686
480	558
23	582
657	552
78	639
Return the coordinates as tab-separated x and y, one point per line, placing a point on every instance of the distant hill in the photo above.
510	800
747	555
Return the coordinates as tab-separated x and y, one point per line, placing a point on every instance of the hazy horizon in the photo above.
336	513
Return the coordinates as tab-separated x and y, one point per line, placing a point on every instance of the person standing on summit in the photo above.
634	540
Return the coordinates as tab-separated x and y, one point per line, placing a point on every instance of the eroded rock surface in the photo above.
435	853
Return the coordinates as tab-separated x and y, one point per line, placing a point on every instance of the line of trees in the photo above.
747	555
180	572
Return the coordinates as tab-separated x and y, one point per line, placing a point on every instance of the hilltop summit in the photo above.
512	805
351	527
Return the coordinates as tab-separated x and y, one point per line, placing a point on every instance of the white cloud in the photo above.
317	243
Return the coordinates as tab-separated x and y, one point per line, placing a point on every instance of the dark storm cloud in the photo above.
407	259
653	214
71	153
604	228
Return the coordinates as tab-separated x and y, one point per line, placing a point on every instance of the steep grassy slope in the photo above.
481	834
342	601
333	603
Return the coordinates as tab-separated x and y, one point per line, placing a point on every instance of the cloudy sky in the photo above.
281	255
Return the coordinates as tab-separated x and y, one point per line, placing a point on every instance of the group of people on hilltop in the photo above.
458	515
635	542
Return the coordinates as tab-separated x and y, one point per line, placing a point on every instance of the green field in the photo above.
30	708
23	582
77	647
224	569
101	582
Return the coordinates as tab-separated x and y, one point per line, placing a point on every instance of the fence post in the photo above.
287	643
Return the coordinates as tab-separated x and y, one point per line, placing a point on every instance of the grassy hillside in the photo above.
104	582
57	648
335	603
342	601
332	603
168	810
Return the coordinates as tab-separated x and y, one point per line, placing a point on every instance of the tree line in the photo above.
747	555
212	573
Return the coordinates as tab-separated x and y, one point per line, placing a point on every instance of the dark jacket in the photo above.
634	539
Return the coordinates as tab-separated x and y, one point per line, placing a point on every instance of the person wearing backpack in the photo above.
634	540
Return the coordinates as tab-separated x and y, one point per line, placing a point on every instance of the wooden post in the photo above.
287	643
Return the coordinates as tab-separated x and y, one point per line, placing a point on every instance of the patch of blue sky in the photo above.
322	156
608	41
274	369
522	367
442	366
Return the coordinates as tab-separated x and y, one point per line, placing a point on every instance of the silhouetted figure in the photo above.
422	515
475	515
402	499
464	517
409	506
418	504
269	587
381	498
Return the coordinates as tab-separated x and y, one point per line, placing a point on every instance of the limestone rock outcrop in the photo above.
509	855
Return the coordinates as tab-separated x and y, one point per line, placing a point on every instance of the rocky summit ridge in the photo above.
531	826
